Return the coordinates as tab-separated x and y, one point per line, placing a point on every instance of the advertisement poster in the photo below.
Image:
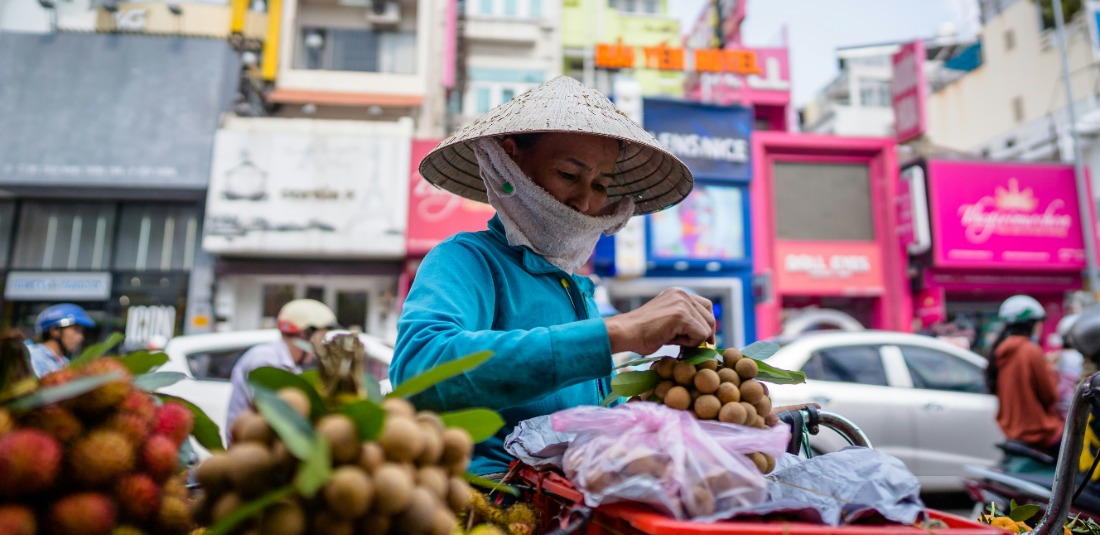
712	140
434	213
707	225
907	87
994	215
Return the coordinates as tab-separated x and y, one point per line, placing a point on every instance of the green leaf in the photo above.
275	379
480	423
1023	512
628	384
249	510
312	377
607	401
291	427
760	350
151	381
370	384
639	362
697	355
204	430
778	376
315	470
487	483
439	374
69	390
142	361
98	350
368	417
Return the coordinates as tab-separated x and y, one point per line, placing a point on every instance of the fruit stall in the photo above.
95	449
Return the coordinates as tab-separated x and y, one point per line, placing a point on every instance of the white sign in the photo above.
325	194
132	20
57	285
837	265
145	322
727	149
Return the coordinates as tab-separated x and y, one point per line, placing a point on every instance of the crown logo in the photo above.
1014	199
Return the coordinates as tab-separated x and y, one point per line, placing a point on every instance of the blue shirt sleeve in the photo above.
449	313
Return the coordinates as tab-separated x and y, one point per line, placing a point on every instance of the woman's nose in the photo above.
581	199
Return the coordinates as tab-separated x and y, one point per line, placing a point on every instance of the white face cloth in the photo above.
534	218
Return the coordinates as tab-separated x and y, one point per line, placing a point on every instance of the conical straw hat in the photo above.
646	171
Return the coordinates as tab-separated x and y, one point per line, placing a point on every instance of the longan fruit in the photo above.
770	463
707	407
663	367
213	473
297	400
747	368
433	443
226	504
683	372
374	523
694	394
417	517
349	492
343	439
371	457
662	389
732	413
283	518
728	392
399	407
443	522
763	406
760	462
395	489
709	364
435	479
750	412
401	439
249	467
730	357
752	391
457	446
432	418
707	381
678	398
728	375
458	494
254	428
282	459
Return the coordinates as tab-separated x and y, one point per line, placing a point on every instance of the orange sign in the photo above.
665	58
828	268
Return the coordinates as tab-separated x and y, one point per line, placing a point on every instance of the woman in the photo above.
560	166
1022	378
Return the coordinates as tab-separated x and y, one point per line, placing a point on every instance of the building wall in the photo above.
1019	81
31	17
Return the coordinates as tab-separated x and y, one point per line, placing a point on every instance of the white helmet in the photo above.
1065	324
1020	309
302	314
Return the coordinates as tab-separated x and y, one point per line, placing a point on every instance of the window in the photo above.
274	297
650	6
1010	39
936	370
1018	109
1046	11
848	364
482	100
536	9
874	93
339	49
486	7
823	201
214	365
54	235
157	237
510	8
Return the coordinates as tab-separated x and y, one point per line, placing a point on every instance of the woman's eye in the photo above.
567	176
599	188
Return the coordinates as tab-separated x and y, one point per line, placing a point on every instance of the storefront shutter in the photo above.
157	237
68	236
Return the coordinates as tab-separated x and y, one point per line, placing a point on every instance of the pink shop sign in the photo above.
994	215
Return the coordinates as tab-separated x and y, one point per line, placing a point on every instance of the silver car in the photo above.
917	398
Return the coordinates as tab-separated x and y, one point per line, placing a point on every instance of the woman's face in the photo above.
576	169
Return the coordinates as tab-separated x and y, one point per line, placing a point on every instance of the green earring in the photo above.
507	187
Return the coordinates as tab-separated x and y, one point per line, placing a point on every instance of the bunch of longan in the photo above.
723	389
407	481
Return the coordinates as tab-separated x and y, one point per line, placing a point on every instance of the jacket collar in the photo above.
533	262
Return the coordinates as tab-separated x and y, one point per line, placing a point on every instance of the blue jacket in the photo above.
475	292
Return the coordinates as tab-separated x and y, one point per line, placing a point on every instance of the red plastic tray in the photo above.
624	519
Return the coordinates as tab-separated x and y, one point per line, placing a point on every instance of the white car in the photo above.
207	360
917	398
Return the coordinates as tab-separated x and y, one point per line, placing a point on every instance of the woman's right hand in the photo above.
674	317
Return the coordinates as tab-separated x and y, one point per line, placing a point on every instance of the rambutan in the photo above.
57	378
55	421
160	457
17	520
138	497
100	457
140	403
109	395
174	517
29	462
174	421
7	423
131	425
86	513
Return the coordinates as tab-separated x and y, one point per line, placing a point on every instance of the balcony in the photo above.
505	30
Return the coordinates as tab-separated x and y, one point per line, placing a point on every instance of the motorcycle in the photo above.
1025	475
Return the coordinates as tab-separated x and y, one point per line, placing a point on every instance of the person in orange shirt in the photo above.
1022	378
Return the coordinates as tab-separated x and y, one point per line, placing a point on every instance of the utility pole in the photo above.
1078	162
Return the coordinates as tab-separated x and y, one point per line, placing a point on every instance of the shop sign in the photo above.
992	215
57	285
1020	282
143	323
911	203
318	190
931	306
771	85
435	213
665	58
907	87
712	140
828	268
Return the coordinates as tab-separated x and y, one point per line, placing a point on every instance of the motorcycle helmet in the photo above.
1085	333
63	315
301	315
1021	309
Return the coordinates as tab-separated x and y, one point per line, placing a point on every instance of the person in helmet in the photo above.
301	322
1084	336
59	330
1022	378
1068	363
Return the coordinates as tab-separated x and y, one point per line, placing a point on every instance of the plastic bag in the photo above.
649	453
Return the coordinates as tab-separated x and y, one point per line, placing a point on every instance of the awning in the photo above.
105	110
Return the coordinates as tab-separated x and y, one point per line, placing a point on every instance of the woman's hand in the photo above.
674	317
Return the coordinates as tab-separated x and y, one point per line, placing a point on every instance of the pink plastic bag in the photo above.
649	453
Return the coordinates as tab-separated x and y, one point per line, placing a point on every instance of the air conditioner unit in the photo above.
383	12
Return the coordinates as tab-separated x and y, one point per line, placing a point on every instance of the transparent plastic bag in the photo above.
666	458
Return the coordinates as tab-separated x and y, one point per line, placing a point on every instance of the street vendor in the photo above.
560	165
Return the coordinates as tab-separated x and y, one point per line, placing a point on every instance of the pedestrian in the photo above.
1022	378
59	330
561	166
302	323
